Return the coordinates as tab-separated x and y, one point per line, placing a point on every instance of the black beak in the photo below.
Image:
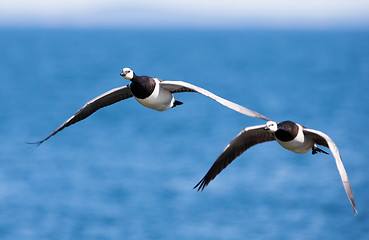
266	128
122	74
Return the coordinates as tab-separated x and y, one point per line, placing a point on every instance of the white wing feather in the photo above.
179	86
341	169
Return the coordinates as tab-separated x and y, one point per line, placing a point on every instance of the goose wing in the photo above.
179	86
105	99
322	139
247	138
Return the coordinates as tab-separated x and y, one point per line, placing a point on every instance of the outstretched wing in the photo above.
179	86
105	99
247	138
323	139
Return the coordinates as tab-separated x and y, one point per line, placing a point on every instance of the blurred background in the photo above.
127	172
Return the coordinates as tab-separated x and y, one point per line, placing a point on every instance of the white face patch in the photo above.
128	73
272	126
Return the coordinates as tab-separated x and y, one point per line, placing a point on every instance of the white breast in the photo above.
161	99
301	143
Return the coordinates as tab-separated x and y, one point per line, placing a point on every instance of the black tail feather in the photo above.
177	103
315	150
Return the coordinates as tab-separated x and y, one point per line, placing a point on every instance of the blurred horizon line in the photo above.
182	22
259	26
164	14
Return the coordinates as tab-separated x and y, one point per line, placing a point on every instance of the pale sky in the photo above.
185	13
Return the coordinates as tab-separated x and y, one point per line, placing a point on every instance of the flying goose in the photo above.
290	135
151	92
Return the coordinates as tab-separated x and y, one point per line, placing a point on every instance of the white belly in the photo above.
161	99
300	144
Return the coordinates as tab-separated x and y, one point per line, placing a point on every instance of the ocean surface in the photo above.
128	172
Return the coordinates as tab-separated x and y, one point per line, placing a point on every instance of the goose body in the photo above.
291	137
160	99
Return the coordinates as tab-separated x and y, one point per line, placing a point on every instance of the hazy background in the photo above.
188	13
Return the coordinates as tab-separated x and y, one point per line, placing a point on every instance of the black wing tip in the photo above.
40	142
201	185
35	143
353	206
355	211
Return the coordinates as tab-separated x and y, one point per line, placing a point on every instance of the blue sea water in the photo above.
127	172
